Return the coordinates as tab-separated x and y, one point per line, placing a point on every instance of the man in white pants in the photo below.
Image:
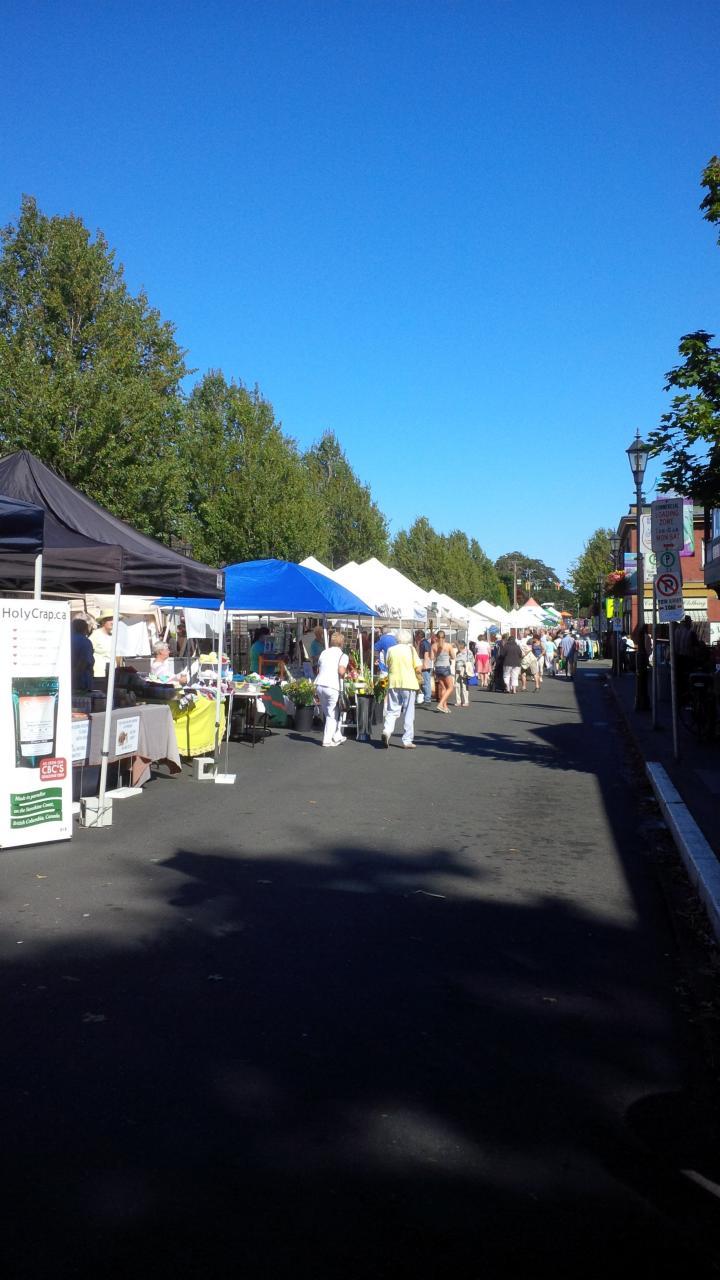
403	666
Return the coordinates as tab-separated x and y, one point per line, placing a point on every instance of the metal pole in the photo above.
641	699
655	665
218	683
37	588
674	693
109	705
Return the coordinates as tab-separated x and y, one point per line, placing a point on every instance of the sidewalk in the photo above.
696	775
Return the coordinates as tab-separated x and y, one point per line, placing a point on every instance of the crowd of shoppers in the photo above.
427	669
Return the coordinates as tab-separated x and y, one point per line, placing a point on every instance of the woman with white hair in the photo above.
403	664
332	665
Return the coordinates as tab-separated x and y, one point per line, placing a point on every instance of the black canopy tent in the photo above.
85	547
21	527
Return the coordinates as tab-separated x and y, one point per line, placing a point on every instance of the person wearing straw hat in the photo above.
101	641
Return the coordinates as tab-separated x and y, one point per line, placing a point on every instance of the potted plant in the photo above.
380	686
302	694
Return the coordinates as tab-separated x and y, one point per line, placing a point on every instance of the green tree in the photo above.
89	375
593	564
449	563
416	552
532	575
689	433
249	492
356	528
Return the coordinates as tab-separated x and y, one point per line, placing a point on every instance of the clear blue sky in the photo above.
462	234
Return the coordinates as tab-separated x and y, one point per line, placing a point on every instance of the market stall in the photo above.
268	588
86	548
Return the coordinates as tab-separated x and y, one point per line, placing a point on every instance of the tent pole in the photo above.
218	694
109	704
372	646
37	588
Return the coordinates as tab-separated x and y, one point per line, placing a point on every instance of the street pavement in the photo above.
366	1013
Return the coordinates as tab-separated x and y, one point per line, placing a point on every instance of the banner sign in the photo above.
668	586
688	528
630	567
35	735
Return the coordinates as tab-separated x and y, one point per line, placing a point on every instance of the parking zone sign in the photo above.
668	586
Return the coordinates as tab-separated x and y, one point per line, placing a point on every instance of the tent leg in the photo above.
227	778
37	586
104	814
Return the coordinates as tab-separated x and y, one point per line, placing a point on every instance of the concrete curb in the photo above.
701	864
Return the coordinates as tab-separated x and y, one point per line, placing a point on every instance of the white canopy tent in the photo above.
385	589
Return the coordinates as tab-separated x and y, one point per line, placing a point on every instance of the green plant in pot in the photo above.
302	693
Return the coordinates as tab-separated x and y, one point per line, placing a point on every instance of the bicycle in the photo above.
698	709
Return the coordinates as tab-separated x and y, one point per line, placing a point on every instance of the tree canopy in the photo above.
89	375
249	493
450	563
354	526
592	565
689	433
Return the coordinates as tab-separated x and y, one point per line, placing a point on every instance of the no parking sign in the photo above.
668	586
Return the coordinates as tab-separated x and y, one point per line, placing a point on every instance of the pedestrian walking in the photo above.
482	661
423	644
550	652
443	658
512	656
568	649
464	667
332	665
404	667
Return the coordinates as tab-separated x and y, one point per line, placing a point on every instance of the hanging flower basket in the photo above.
617	583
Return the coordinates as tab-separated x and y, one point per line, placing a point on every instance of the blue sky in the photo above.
464	235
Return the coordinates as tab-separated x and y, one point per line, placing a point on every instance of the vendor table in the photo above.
247	720
194	726
155	740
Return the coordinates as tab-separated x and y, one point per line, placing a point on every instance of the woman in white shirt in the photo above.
332	665
482	661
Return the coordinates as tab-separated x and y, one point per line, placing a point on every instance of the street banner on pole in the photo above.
35	734
668	586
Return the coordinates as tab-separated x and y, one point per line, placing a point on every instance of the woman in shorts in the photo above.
443	658
482	661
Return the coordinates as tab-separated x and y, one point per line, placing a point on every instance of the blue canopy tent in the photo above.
278	586
274	586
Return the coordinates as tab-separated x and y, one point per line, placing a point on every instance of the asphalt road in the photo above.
365	1014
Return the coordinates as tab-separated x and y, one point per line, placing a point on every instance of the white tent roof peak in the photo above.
310	562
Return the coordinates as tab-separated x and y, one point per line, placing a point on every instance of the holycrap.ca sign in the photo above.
35	743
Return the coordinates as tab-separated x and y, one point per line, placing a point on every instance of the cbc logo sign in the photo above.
52	769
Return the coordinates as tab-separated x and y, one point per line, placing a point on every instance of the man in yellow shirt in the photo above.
403	666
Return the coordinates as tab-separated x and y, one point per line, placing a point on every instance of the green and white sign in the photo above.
35	738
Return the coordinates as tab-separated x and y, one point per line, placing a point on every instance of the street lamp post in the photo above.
615	646
638	454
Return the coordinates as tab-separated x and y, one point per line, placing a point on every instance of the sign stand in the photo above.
654	687
673	692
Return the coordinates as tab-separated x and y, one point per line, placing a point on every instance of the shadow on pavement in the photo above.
318	1068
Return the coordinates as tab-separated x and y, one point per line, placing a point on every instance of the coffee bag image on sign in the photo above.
35	706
